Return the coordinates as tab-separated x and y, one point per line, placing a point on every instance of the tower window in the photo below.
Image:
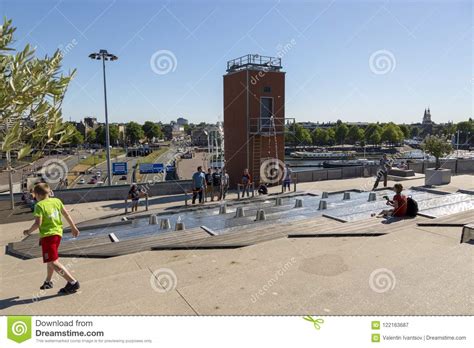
267	89
266	112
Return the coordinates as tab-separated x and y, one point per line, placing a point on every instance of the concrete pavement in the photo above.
414	271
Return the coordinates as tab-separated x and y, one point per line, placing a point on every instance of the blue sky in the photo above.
350	60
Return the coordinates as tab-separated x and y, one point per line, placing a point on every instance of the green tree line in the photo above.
374	134
134	133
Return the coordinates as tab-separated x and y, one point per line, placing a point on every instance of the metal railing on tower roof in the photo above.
254	61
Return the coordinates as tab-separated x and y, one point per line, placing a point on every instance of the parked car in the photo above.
123	177
92	181
81	181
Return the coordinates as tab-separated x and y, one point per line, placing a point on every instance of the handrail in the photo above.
263	125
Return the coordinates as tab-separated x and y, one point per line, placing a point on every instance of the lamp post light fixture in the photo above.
104	55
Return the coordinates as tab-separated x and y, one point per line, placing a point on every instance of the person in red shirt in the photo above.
399	204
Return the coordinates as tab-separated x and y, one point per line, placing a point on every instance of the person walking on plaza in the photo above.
208	177
246	181
385	166
48	213
287	178
199	185
216	184
225	183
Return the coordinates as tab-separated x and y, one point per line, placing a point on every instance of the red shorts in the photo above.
50	247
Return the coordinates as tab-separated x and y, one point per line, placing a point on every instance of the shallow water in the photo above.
356	208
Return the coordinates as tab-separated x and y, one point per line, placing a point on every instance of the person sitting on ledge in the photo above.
402	165
262	188
399	204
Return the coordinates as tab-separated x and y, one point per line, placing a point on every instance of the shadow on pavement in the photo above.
14	301
21	212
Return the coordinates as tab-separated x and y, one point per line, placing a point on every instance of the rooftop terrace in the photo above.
254	62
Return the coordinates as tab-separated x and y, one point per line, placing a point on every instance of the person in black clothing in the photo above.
225	183
262	189
216	184
209	184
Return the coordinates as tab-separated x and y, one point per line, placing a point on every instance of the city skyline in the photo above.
354	61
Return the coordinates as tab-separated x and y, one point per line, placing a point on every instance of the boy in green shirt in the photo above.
48	213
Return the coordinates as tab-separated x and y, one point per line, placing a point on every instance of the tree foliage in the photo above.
153	130
405	130
31	95
340	132
320	137
100	137
354	135
373	134
437	146
392	134
134	132
76	138
298	135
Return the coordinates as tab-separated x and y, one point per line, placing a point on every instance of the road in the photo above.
165	158
56	167
102	168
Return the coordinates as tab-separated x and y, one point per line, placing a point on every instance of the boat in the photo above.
350	163
322	155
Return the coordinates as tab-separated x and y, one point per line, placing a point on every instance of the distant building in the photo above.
427	117
121	132
177	131
254	115
427	124
198	137
91	122
182	121
9	123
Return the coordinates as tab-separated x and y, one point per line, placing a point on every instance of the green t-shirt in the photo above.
49	210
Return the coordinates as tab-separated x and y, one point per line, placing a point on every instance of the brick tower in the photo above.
254	114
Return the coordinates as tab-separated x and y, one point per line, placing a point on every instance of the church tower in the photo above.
427	117
427	124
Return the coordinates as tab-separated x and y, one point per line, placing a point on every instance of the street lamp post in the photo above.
104	55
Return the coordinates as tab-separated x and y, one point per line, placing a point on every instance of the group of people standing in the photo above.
213	184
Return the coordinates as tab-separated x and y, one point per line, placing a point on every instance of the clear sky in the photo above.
344	59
